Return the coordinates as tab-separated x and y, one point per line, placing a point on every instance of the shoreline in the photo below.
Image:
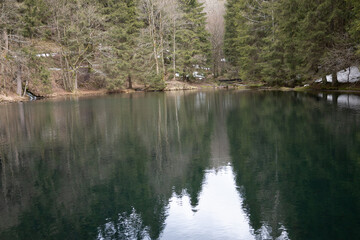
179	86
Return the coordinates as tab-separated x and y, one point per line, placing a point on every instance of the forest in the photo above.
52	45
100	43
291	41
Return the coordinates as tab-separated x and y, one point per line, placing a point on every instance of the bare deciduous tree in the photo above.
215	10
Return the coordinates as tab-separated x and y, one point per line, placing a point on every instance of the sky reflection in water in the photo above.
219	214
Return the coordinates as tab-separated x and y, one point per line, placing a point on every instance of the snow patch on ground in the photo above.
345	76
46	55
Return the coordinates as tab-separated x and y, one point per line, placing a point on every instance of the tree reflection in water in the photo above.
200	164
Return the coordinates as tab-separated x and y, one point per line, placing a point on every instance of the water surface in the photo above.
184	165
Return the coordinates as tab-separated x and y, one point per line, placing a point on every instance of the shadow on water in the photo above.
131	166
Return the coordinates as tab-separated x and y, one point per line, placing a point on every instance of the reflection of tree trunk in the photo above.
167	147
4	180
335	99
177	120
159	145
325	96
22	115
165	120
4	160
16	160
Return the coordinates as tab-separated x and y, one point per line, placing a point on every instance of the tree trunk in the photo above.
68	75
18	81
161	32
215	71
152	34
2	69
6	41
324	80
130	82
174	47
6	49
63	71
75	81
25	88
273	20
334	79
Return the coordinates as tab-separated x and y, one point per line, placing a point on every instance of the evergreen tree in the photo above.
355	23
271	54
35	15
289	15
253	33
232	24
194	49
289	40
122	21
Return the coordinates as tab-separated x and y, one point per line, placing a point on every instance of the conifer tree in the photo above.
355	24
35	14
122	21
194	49
289	14
244	45
290	40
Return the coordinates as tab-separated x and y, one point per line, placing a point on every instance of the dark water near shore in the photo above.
183	165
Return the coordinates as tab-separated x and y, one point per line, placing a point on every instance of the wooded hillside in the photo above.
289	41
47	44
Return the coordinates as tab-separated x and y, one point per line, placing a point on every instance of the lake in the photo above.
182	165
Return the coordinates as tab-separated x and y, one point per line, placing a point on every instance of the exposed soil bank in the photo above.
58	93
12	98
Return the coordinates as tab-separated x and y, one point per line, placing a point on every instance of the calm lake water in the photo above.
183	165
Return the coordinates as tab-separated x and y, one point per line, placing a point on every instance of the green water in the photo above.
183	165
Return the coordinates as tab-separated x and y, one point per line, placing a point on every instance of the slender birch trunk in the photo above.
174	47
5	52
151	20
161	33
